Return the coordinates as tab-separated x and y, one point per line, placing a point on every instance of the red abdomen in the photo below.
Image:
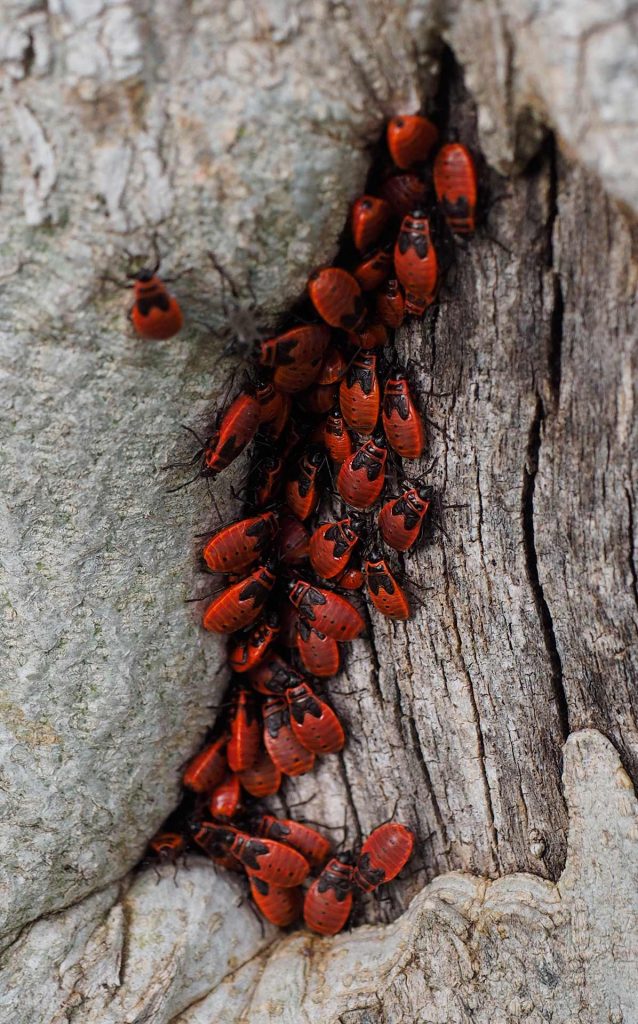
384	854
264	778
281	906
337	297
328	612
318	652
307	841
245	731
240	604
384	591
314	723
456	187
207	768
402	423
269	860
155	315
239	545
359	394
290	756
328	901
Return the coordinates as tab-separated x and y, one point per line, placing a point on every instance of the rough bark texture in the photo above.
245	129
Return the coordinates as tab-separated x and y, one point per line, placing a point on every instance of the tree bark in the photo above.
246	130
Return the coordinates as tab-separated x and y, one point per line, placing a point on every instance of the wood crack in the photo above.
531	561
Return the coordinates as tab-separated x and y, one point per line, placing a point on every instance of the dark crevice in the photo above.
531	561
632	545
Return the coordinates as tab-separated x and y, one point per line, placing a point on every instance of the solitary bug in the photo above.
373	268
156	315
296	356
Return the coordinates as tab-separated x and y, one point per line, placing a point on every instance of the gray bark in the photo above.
245	129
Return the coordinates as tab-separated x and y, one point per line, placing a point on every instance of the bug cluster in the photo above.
330	420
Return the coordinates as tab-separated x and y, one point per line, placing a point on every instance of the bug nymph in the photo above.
156	315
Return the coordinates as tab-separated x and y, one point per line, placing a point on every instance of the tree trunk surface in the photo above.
500	721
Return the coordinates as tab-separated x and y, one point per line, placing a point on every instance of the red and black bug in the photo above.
326	611
401	519
373	335
280	905
361	477
404	192
236	429
167	847
373	268
331	546
360	394
391	304
239	545
293	540
336	437
313	722
416	263
337	297
155	314
290	756
411	139
333	367
263	858
302	491
328	901
384	854
383	589
274	409
264	778
266	479
225	800
248	649
239	605
307	841
296	356
273	676
245	731
319	653
207	768
402	422
368	219
456	187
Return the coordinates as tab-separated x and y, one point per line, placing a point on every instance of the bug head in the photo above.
379	440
